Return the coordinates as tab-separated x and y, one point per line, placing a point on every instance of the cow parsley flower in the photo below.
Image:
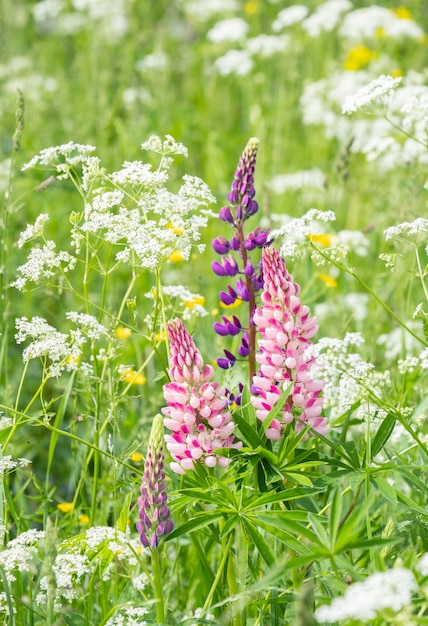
363	601
296	231
234	62
231	29
63	157
42	264
289	16
376	90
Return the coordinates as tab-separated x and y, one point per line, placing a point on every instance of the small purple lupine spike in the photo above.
218	268
230	266
154	514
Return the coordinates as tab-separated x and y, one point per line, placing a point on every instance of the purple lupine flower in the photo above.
286	329
154	516
242	207
197	411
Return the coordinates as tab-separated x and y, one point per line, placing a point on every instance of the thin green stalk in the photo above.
157	587
421	274
219	574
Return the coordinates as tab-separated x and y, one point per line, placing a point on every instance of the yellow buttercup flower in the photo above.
231	306
190	304
358	57
176	256
215	312
136	457
122	332
328	281
325	239
132	377
159	336
83	519
403	13
175	230
65	507
250	7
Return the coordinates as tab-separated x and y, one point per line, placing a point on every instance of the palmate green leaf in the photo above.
375	542
260	542
383	434
199	520
299	478
210	496
279	520
385	488
277	408
282	496
249	435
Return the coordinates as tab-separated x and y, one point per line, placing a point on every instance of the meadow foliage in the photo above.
214	301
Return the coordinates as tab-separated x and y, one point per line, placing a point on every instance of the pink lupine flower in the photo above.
286	329
197	411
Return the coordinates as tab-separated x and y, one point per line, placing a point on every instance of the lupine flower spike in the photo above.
197	411
242	207
286	329
154	515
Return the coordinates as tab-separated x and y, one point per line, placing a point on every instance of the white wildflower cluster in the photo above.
295	232
190	304
232	29
295	181
370	21
237	62
422	565
109	17
289	16
20	554
204	11
129	616
5	422
156	61
338	364
141	217
64	351
375	91
415	232
113	540
64	158
326	17
33	230
7	464
363	601
399	103
398	342
42	265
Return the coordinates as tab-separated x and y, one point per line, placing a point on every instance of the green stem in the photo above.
157	587
219	574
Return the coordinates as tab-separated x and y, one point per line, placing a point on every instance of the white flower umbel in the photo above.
415	231
326	17
366	23
267	45
289	16
232	29
42	264
19	553
363	601
234	62
296	231
33	230
376	90
64	157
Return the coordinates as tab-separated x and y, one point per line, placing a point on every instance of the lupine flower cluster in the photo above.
286	329
197	411
154	515
242	207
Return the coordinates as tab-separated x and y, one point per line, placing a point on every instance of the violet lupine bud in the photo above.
197	411
242	193
227	267
244	348
227	361
286	329
229	327
242	290
228	297
221	245
258	239
154	516
225	214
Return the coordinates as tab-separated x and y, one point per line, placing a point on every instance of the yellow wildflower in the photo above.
175	230
136	457
65	507
159	336
328	281
380	32
215	312
83	519
132	377
325	239
358	57
122	332
403	13
231	306
396	73
190	304
176	256
250	7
